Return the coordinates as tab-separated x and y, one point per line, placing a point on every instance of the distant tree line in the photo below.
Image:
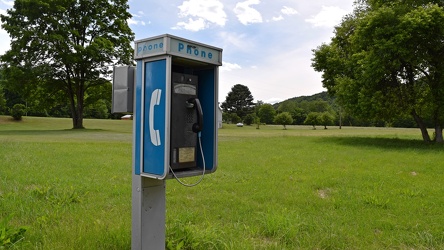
322	109
44	103
317	110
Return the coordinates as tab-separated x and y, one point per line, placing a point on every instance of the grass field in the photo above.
354	188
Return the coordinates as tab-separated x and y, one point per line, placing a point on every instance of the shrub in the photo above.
17	111
249	119
313	118
283	118
234	118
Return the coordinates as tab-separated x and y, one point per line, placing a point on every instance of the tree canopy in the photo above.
66	46
284	119
313	119
385	61
239	101
266	113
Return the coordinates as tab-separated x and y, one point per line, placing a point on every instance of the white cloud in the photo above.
288	11
247	15
4	37
234	40
2	31
9	3
327	17
226	66
273	100
139	14
4	43
133	21
278	18
201	14
192	25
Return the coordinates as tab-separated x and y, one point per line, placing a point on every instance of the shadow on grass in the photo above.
49	132
385	143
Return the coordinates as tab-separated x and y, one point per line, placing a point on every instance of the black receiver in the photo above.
186	121
195	103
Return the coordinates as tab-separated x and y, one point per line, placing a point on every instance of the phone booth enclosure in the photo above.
170	83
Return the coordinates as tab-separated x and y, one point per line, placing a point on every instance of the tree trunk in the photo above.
78	119
422	126
340	119
76	105
438	134
77	116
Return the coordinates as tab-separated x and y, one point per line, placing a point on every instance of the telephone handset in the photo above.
154	133
195	103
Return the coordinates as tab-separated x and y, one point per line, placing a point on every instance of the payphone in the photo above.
174	127
175	108
186	121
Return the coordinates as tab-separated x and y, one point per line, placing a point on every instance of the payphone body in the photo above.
175	108
186	121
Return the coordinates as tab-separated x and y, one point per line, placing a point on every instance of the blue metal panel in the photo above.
138	117
206	97
154	133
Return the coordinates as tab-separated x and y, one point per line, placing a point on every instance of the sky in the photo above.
267	44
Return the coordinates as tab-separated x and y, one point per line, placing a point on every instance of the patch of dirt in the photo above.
324	193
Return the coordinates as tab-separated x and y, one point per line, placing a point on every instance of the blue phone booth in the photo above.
175	108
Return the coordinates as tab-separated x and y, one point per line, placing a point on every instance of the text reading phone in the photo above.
186	121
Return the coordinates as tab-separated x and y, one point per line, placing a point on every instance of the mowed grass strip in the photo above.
326	192
354	188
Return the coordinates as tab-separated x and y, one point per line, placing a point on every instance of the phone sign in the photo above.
154	119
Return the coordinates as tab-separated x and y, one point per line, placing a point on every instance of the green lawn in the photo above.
354	188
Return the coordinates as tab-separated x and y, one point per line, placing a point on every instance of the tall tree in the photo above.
284	119
68	45
313	119
267	113
239	101
326	119
385	61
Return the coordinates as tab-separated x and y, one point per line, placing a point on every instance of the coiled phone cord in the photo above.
203	171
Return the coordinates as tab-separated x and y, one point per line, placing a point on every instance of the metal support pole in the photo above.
148	213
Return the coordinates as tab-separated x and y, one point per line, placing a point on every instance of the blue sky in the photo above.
266	43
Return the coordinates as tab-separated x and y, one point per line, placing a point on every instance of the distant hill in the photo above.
322	96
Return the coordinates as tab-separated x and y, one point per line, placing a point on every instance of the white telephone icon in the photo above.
154	133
